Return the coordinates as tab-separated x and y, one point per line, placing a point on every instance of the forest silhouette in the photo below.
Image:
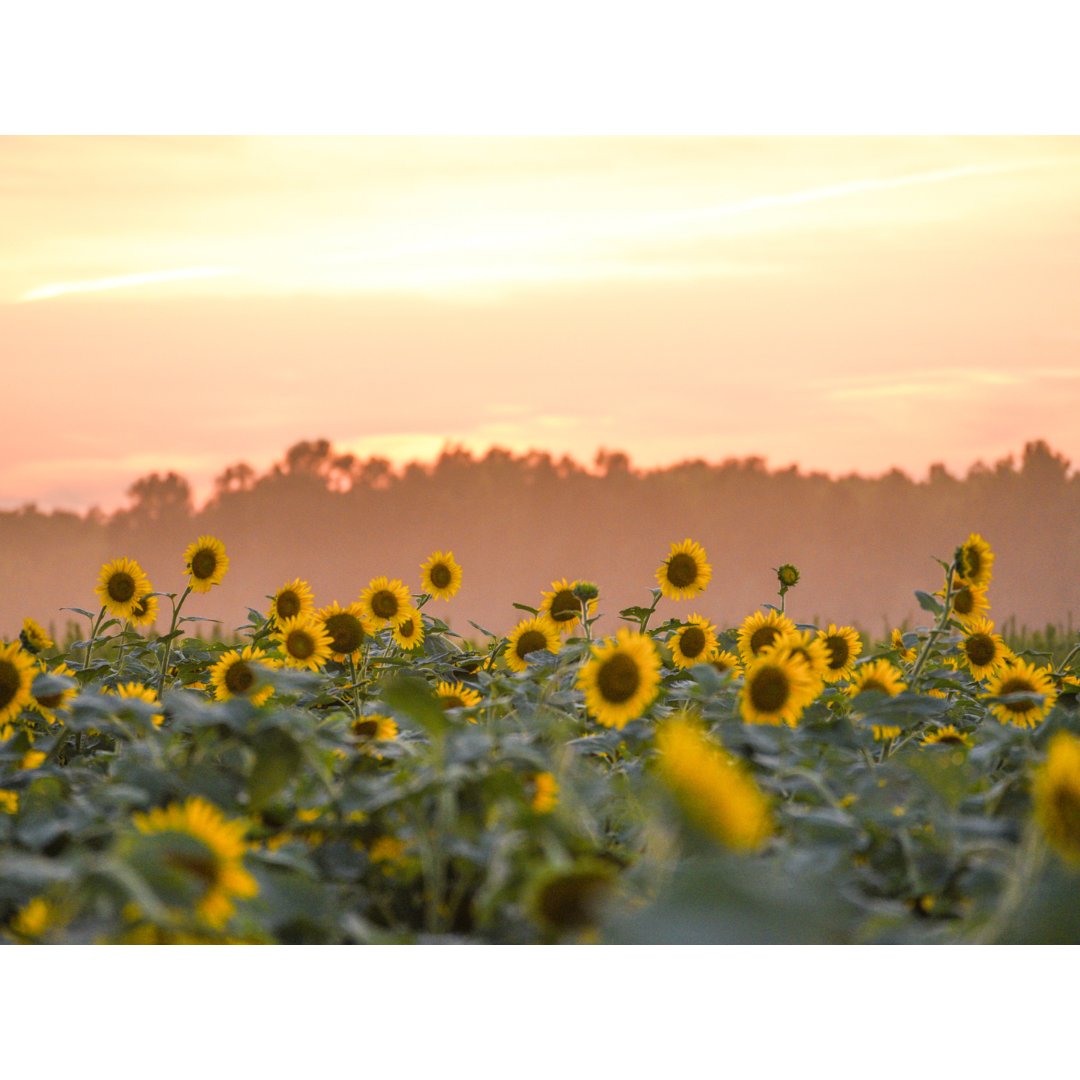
516	522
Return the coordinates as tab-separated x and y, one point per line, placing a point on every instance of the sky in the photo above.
844	304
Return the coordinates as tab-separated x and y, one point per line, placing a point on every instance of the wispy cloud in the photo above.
125	281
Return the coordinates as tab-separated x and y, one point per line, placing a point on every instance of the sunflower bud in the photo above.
586	591
788	576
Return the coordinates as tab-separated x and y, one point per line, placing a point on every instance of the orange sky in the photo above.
847	304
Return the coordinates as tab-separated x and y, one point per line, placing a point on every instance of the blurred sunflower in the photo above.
761	630
563	606
904	652
17	670
33	637
206	562
384	600
456	695
969	602
693	643
1055	793
877	675
812	649
408	631
49	704
726	662
531	635
239	674
778	686
374	728
983	650
440	575
121	584
946	736
304	643
145	611
1020	677
292	599
545	793
976	561
844	646
346	627
685	572
621	679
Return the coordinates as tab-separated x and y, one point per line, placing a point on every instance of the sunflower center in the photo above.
121	587
692	641
565	606
384	604
1018	686
452	701
618	679
239	679
203	867
574	901
721	665
762	638
529	642
406	629
769	690
346	632
300	645
980	649
440	575
839	652
974	562
288	605
1067	811
964	601
203	564
50	701
140	608
9	683
951	739
873	684
682	570
365	729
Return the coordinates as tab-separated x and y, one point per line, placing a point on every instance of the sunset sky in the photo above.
844	304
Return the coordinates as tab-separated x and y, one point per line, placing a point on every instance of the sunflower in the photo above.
563	606
621	679
206	563
904	652
137	691
726	662
760	630
292	599
571	899
145	611
712	787
374	728
304	643
440	576
49	704
876	675
969	602
1020	677
384	601
983	650
812	649
33	637
17	671
239	674
347	628
844	646
947	736
408	632
778	687
693	643
207	852
456	695
685	572
545	793
976	560
1055	793
884	732
121	583
531	635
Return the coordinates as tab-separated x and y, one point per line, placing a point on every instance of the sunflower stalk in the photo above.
176	606
656	594
95	628
939	629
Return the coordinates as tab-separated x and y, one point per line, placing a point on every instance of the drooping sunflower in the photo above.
904	652
693	643
17	670
969	602
621	678
440	575
304	643
384	601
877	675
685	572
347	628
1055	793
52	703
456	695
778	686
760	630
531	635
374	728
33	637
844	645
239	674
563	606
983	650
145	611
121	584
408	631
976	563
946	736
1020	677
206	562
209	853
713	788
292	599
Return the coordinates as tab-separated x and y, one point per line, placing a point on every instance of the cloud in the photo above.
125	281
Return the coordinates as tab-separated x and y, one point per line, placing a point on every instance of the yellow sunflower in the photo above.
384	601
239	674
904	652
374	728
209	853
50	704
693	643
121	584
844	646
292	599
983	650
545	793
760	630
1020	677
621	678
456	695
969	602
206	562
777	689
726	662
712	786
877	675
685	572
1055	793
408	631
137	691
440	576
947	736
531	635
17	670
304	643
347	628
33	637
563	606
145	611
812	649
976	561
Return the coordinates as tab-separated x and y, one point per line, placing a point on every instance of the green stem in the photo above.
649	614
93	637
123	647
355	686
1063	667
938	630
176	606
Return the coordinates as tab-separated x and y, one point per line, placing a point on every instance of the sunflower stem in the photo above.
1063	667
938	630
355	686
123	647
93	637
649	614
176	606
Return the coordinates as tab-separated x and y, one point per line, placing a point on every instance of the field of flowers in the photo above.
361	773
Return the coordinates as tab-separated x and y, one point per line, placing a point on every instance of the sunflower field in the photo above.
362	773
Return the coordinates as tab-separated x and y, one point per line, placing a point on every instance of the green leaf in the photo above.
634	614
522	607
277	758
413	697
80	611
928	603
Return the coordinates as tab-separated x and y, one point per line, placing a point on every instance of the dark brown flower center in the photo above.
973	561
406	629
964	601
365	729
384	604
573	901
203	564
682	570
346	632
618	678
288	605
565	606
529	642
692	642
239	678
873	684
839	651
451	701
981	649
762	638
9	683
1018	685
440	576
300	645
121	587
769	690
